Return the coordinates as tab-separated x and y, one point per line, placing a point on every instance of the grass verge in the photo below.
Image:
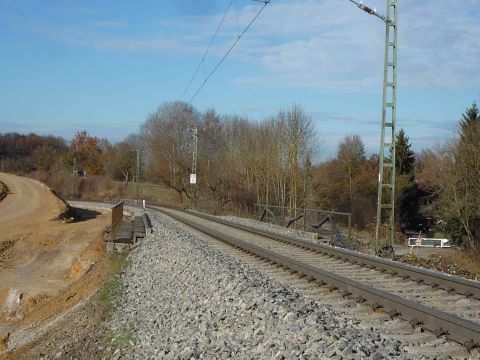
115	341
111	288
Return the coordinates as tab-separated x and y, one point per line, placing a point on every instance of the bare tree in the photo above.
299	135
123	161
351	154
167	135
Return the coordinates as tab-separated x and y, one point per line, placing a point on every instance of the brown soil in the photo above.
79	289
49	260
78	334
3	190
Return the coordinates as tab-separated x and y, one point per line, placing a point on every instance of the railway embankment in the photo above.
186	295
48	260
183	298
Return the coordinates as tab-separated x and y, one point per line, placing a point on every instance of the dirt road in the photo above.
39	254
29	203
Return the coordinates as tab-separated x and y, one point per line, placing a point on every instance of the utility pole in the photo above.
386	173
74	166
137	178
193	175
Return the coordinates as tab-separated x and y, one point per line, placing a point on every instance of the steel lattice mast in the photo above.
194	165
137	178
386	173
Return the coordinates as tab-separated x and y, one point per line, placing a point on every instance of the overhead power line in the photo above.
207	49
265	3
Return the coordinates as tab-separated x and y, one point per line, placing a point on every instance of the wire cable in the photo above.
265	3
207	50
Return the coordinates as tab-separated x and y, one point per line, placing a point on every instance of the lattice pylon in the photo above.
386	176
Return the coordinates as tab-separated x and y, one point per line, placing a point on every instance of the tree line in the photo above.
272	161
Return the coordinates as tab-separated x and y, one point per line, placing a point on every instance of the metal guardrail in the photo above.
147	223
136	202
308	223
117	216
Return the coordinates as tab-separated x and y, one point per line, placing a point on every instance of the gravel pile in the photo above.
182	299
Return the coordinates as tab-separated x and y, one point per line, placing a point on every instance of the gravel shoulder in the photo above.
184	299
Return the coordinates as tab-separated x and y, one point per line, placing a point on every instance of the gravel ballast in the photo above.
183	299
276	229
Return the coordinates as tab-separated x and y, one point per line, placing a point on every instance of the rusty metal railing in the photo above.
117	216
310	220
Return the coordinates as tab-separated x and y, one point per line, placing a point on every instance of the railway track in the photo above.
442	304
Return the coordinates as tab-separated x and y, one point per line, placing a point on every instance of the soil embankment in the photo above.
3	191
43	252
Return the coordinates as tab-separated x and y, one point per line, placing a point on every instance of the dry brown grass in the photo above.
469	261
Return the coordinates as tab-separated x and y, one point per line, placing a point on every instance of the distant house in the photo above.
424	219
426	205
426	202
80	173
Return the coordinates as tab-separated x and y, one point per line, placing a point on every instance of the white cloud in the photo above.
321	44
333	45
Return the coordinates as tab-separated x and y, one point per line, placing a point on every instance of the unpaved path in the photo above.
29	203
39	254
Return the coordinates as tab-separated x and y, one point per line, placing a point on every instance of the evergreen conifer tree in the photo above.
405	157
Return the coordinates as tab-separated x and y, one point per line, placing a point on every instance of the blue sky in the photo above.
105	65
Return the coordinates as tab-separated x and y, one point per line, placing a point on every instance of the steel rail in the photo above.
450	283
440	323
454	328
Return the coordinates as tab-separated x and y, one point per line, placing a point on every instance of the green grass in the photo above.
155	192
107	295
109	291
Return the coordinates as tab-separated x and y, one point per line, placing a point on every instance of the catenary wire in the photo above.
265	3
207	50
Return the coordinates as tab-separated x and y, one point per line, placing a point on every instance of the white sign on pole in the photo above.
193	179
